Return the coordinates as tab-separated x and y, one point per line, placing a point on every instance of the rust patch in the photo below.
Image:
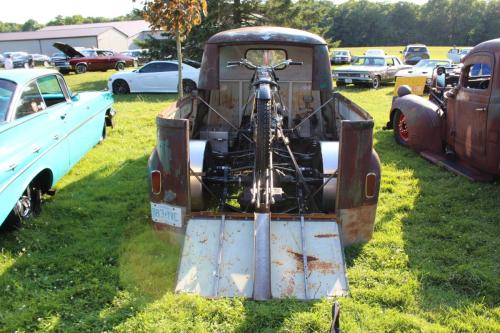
277	263
299	256
326	235
313	263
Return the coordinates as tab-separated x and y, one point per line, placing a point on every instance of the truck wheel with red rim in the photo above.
401	133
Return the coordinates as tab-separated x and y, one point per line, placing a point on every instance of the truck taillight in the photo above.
155	182
370	185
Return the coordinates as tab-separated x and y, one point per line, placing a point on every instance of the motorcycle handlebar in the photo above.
248	64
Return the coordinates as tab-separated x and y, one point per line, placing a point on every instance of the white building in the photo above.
117	36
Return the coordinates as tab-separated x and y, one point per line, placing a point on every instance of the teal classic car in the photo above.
45	129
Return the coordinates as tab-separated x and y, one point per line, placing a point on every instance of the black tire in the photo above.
120	87
120	66
399	128
81	69
188	86
28	206
64	72
376	82
340	84
263	137
104	133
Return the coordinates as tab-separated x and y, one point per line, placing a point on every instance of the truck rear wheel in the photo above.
401	133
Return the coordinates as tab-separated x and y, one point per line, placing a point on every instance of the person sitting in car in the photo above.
8	63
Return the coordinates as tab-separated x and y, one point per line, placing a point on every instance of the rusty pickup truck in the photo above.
459	126
265	171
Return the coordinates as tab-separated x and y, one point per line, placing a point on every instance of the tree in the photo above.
176	17
31	25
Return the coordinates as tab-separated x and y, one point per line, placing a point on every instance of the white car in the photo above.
375	53
425	68
456	55
154	77
341	57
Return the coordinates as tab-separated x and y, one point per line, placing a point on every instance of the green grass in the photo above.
91	263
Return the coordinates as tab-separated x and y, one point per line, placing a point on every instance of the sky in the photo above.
19	11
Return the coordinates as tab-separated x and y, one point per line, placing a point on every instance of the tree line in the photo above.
353	23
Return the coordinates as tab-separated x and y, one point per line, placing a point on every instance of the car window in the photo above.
168	67
396	61
7	89
89	53
417	49
478	76
369	61
104	53
266	57
51	90
390	62
149	68
31	101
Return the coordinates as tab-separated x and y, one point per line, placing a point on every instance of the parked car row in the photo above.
369	70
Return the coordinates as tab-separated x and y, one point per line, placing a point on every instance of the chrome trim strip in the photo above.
23	170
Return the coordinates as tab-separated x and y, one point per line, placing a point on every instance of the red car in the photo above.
81	61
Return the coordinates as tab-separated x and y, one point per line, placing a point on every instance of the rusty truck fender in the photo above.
359	182
423	121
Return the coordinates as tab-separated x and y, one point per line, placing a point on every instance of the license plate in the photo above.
167	214
348	80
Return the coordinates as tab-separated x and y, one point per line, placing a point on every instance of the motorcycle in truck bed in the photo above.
264	170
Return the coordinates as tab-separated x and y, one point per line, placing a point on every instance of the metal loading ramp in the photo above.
225	257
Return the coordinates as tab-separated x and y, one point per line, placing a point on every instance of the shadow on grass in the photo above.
450	234
90	255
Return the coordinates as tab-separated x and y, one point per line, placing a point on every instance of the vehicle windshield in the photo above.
88	53
417	49
266	57
7	89
340	53
369	61
374	52
431	63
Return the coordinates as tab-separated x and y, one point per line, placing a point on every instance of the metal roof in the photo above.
129	28
266	35
492	45
51	34
22	76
